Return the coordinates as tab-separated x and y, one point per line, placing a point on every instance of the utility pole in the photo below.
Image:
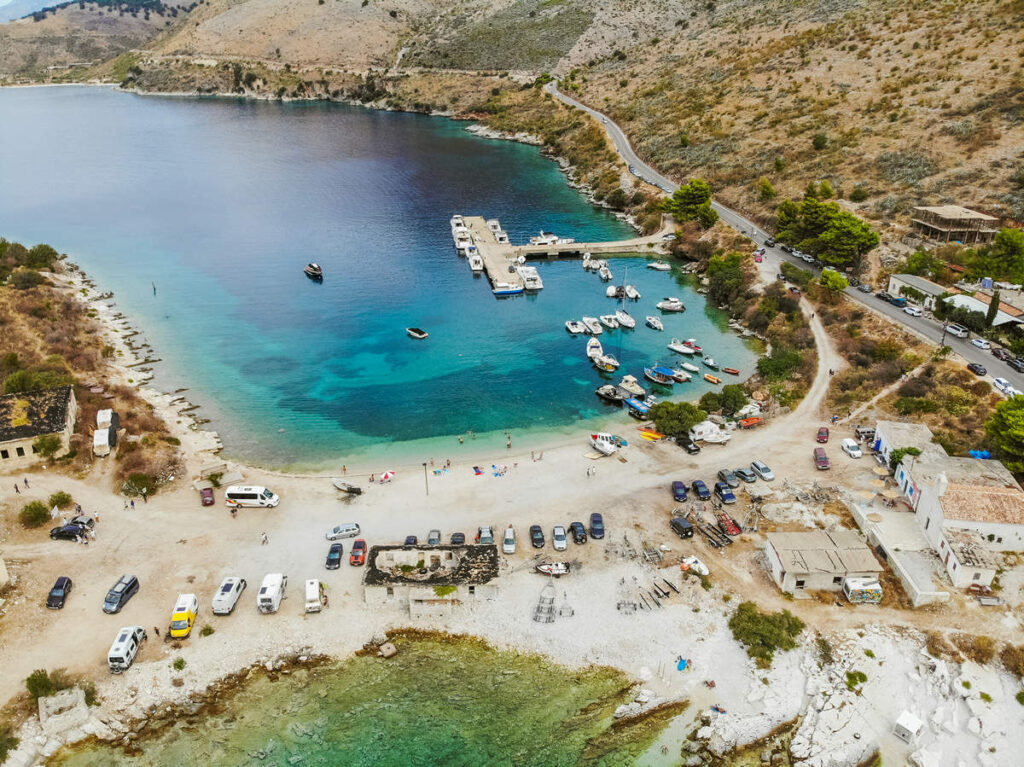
426	480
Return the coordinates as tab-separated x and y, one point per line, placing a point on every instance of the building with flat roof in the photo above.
818	560
972	304
895	435
952	223
931	290
27	416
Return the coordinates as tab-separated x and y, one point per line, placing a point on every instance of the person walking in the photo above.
16	490
156	631
144	496
96	517
344	469
265	539
133	504
26	481
125	504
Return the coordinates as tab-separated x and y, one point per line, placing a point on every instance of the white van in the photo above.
957	330
271	592
238	495
508	543
314	596
126	646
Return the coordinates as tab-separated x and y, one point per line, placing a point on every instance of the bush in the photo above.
139	482
179	664
34	514
764	633
854	678
206	630
980	649
820	141
1012	658
25	279
60	499
8	742
442	591
47	445
42	684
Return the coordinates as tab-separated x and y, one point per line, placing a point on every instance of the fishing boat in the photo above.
710	362
610	321
603	442
605	363
594	349
637	409
681	375
671	304
605	272
632	293
712	379
417	333
612	393
654	323
554	569
659	375
659	266
506	289
593	326
681	347
575	327
630	384
314	272
690	366
731	371
624	319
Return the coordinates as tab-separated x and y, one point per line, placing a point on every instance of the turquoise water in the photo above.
220	203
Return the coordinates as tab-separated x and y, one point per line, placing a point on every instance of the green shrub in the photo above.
179	664
985	697
206	630
1019	697
442	591
34	514
8	742
139	482
25	279
60	499
42	683
869	653
854	678
764	633
820	141
47	445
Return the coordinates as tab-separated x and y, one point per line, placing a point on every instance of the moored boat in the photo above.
611	291
690	366
417	333
660	266
605	272
554	569
632	293
530	277
612	393
506	289
575	327
594	348
680	375
710	362
314	272
476	262
610	321
593	326
630	384
681	347
692	343
712	379
457	220
625	320
671	304
659	375
654	323
731	371
605	363
637	409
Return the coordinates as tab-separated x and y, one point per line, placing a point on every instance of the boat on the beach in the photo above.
604	442
681	347
417	333
671	304
506	289
624	319
594	348
575	327
630	384
346	487
605	363
659	266
654	323
690	366
710	362
632	293
610	321
660	375
612	393
731	371
605	272
593	326
314	272
712	379
750	423
554	569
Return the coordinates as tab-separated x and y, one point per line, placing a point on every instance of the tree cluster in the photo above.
824	230
692	203
764	633
16	259
729	276
675	419
1005	430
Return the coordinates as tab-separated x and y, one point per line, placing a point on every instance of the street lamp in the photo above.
426	481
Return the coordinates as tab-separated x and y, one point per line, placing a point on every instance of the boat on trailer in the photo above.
604	442
554	569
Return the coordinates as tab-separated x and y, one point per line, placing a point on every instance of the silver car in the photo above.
760	468
558	538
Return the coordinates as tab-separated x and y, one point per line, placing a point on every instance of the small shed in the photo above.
908	728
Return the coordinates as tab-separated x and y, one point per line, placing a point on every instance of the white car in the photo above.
981	343
692	563
559	539
760	468
1002	385
1011	392
851	448
344	530
913	311
227	595
508	543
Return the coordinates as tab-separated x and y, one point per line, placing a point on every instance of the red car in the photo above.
358	554
823	434
206	496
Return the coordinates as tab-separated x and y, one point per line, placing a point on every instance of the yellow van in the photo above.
184	616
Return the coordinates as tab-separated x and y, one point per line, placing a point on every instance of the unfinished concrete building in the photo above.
951	223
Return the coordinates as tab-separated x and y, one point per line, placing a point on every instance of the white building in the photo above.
818	560
893	435
929	289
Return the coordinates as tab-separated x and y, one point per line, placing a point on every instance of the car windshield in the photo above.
57	592
176	625
226	588
267	494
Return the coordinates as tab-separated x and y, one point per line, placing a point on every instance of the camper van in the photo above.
314	596
271	592
238	495
183	618
125	648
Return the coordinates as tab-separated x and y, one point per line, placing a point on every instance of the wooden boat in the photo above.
612	393
731	371
345	487
712	379
553	568
417	333
750	423
314	272
659	375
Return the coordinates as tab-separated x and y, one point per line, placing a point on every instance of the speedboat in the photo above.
624	319
457	221
476	262
544	239
610	321
710	362
660	375
593	326
605	272
690	366
605	363
417	333
554	569
681	347
630	384
681	375
671	304
612	393
692	343
506	289
594	348
603	442
530	277
632	293
660	266
655	323
575	327
314	272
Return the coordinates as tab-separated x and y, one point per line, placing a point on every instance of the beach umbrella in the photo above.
386	476
891	493
877	483
881	471
875	517
865	495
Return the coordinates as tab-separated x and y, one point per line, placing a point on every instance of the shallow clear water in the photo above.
220	203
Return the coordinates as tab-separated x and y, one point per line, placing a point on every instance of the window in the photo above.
391	591
799	584
838	579
5	454
472	590
977	576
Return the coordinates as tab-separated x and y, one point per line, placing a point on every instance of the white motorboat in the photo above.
314	272
681	375
671	304
417	333
611	393
554	569
660	266
593	326
603	442
544	239
630	384
690	366
506	289
594	348
632	293
655	323
681	347
575	327
710	362
476	262
610	321
606	363
611	291
531	278
624	319
605	272
457	220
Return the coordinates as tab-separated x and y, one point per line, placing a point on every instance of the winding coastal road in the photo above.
926	328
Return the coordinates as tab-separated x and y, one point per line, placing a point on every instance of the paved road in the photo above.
929	328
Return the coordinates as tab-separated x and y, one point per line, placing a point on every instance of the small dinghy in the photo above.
624	319
659	266
610	321
710	362
681	375
654	323
593	326
553	568
594	348
632	293
611	393
417	333
345	487
712	379
731	371
690	366
605	363
314	272
575	327
606	273
610	291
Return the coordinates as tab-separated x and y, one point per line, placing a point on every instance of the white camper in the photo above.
708	431
101	441
271	592
125	647
314	596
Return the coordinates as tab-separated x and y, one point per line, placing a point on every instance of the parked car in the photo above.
700	489
898	301
1002	385
913	311
411	540
786	248
728	477
823	434
83	520
883	295
357	556
851	448
761	469
344	530
537	536
1001	354
981	343
458	539
794	290
688	445
758	257
864	288
724	493
679	490
59	593
821	461
334	556
227	595
745	474
977	368
770	242
484	535
559	539
1017	364
508	541
68	532
126	587
957	330
578	532
780	277
434	538
206	496
596	526
681	527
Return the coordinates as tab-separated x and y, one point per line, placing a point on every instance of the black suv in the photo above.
59	593
119	594
537	536
68	533
578	532
1001	354
883	295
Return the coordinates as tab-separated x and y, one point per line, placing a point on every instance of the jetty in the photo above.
500	258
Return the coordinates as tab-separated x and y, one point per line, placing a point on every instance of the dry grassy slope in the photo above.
920	101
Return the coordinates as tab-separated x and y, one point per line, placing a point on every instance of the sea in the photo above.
199	214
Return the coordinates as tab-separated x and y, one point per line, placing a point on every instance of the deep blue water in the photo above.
221	203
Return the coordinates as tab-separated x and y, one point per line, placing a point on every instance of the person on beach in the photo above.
371	479
26	481
344	469
265	539
508	445
234	513
133	504
95	516
126	504
156	631
16	490
460	439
